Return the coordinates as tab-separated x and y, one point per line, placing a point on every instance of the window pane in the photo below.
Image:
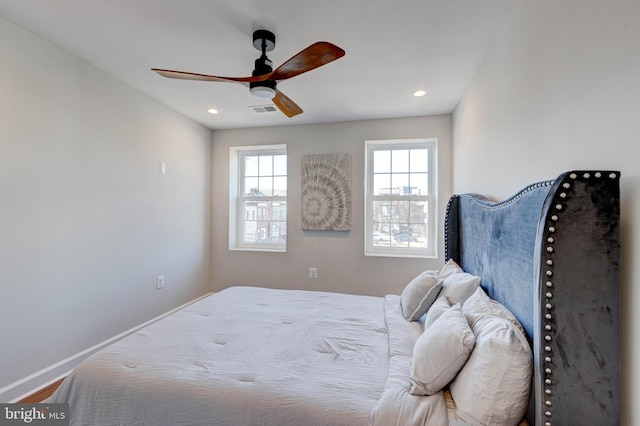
251	165
249	224
266	165
266	186
264	222
419	161
400	161
418	212
278	231
381	239
419	183
280	186
280	165
411	236
382	184
279	212
382	161
399	213
400	183
250	233
251	186
382	211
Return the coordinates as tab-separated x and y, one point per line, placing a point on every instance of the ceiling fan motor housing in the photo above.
264	41
268	87
262	66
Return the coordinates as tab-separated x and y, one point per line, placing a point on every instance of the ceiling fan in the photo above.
264	80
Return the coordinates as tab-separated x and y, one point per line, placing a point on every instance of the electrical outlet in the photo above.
313	273
159	282
163	168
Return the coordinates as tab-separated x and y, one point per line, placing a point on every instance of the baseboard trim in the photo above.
19	389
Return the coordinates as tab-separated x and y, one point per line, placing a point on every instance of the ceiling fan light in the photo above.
263	92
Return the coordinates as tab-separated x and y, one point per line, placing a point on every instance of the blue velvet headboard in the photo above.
551	254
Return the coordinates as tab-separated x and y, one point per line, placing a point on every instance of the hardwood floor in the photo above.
42	394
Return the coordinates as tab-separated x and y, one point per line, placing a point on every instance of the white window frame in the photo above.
370	249
237	197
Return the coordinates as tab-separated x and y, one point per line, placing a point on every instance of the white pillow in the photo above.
449	268
440	352
480	305
440	306
419	294
493	387
459	286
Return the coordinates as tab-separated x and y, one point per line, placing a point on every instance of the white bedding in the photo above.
255	356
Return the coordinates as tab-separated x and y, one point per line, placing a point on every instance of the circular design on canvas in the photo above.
326	192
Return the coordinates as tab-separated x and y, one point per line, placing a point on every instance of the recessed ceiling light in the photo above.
419	93
212	111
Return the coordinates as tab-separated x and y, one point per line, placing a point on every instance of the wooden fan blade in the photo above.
286	105
314	56
183	75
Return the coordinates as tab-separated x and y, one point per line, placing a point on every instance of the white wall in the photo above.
86	220
339	256
559	90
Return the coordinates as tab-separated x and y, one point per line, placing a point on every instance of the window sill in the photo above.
405	255
261	249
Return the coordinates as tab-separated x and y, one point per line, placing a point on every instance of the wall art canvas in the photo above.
326	192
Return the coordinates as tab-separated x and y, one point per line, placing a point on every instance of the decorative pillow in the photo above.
493	387
449	268
459	286
440	306
419	294
440	352
480	305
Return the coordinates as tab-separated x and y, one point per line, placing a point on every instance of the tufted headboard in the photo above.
551	254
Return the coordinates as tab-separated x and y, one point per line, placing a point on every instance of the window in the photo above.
258	198
400	198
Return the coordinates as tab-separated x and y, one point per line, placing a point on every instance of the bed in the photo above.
548	257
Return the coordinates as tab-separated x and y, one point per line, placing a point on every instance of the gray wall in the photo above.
559	90
86	220
339	256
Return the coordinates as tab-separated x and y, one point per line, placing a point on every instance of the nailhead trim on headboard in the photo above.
447	255
548	319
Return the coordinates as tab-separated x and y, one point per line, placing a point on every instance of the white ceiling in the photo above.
393	48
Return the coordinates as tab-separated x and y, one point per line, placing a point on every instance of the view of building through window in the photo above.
398	218
263	202
400	197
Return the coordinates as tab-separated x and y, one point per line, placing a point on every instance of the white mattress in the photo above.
255	356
